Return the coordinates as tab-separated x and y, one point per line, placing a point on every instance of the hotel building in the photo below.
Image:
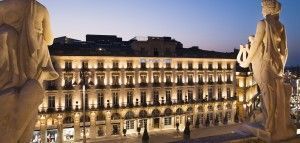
152	82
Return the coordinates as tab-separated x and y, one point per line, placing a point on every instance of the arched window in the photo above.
168	112
155	113
179	111
101	117
115	116
129	115
87	118
190	110
68	120
143	114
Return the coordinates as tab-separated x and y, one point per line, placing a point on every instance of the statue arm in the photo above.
283	47
258	40
47	32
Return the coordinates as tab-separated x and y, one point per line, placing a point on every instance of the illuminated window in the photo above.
68	101
51	102
100	100
168	121
129	124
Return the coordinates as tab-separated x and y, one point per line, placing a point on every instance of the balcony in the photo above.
143	84
51	87
210	82
100	69
156	68
168	102
220	82
143	69
129	69
200	82
168	69
190	83
68	69
179	83
156	84
68	87
100	86
115	86
115	69
229	82
168	84
130	85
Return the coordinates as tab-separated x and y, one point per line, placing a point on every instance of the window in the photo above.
190	66
156	97
179	79
219	66
156	53
200	78
190	78
219	92
143	65
179	95
115	99
143	78
179	65
168	121
228	77
200	66
115	79
200	93
129	124
190	95
129	79
100	79
85	65
142	123
228	91
210	78
210	93
219	78
168	65
228	66
168	96
51	102
68	80
129	98
210	66
68	64
100	65
143	97
168	78
156	65
156	78
115	65
129	65
68	101
100	100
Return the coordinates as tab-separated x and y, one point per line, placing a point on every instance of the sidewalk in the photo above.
167	136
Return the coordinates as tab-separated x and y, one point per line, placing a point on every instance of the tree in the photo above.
197	123
236	117
187	133
207	122
124	132
145	137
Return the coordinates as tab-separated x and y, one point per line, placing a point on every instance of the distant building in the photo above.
153	82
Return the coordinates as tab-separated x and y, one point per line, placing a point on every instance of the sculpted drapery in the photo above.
268	54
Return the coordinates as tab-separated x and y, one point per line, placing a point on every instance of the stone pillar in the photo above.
121	126
60	133
77	133
43	133
108	124
93	128
161	122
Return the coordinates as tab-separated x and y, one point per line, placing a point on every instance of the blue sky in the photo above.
219	25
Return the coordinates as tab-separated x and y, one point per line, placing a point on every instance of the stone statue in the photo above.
267	52
25	63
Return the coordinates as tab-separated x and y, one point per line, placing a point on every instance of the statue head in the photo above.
270	7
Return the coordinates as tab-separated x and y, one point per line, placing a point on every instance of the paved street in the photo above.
197	135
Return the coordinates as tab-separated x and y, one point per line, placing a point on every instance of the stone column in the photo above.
60	133
43	133
121	126
77	133
93	128
108	124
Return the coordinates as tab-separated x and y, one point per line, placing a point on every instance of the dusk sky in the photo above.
219	25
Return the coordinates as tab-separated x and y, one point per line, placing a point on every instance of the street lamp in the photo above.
82	75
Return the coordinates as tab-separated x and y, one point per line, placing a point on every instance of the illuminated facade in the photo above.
127	92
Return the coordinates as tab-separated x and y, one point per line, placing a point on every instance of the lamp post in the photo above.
82	74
